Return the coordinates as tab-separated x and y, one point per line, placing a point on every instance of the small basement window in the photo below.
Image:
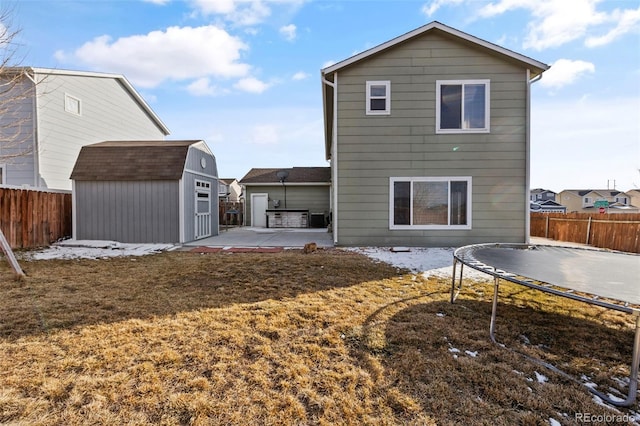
378	97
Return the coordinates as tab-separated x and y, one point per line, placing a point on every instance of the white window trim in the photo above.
467	179
487	104
387	98
68	96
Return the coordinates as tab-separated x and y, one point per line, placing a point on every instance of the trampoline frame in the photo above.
556	289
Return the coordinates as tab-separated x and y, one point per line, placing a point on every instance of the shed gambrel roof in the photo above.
297	175
132	160
535	67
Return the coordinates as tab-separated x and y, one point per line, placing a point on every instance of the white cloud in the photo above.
627	21
251	85
159	2
432	7
564	72
558	22
264	134
300	75
288	32
328	64
202	87
175	54
242	12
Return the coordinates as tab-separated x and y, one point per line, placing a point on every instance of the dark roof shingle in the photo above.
296	175
132	160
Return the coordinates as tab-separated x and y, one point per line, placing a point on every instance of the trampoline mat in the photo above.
606	274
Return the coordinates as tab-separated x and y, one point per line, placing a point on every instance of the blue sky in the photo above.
244	75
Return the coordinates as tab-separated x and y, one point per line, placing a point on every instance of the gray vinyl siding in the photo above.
127	211
371	149
108	112
17	134
309	197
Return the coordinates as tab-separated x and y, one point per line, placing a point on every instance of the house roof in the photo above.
297	175
603	192
119	77
132	160
536	67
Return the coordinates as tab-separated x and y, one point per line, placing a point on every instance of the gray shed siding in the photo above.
108	112
371	149
127	211
315	198
17	135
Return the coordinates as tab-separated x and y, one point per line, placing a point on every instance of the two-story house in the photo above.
593	200
428	140
229	190
539	195
49	114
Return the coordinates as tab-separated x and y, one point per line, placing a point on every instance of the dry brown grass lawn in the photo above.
270	339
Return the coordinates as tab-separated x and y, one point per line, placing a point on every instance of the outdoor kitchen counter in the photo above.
287	218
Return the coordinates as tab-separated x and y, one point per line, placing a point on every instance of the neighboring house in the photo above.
548	206
229	190
540	195
145	192
293	197
634	197
49	114
428	139
592	200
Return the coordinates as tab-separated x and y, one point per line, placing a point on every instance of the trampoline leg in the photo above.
633	378
454	291
494	308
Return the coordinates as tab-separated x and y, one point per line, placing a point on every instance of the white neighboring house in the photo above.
49	114
229	190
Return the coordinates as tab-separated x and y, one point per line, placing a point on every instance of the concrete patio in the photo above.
266	237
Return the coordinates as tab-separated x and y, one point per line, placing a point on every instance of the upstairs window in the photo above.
72	104
462	106
378	97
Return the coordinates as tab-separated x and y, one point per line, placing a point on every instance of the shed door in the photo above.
259	203
203	209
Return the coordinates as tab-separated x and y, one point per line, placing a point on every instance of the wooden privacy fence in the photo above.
230	213
33	218
620	231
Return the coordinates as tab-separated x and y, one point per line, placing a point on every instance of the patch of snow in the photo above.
471	354
454	350
554	422
541	378
90	249
430	262
440	314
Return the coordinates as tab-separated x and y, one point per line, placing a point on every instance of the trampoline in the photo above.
604	278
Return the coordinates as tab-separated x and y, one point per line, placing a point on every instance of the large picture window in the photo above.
430	203
462	106
378	97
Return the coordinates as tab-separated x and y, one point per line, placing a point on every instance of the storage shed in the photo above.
145	192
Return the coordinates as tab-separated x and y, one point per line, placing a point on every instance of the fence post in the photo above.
546	227
588	230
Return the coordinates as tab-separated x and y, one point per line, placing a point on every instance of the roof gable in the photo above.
535	66
132	160
119	77
296	175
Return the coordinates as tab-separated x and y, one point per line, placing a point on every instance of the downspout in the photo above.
35	126
527	226
334	157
